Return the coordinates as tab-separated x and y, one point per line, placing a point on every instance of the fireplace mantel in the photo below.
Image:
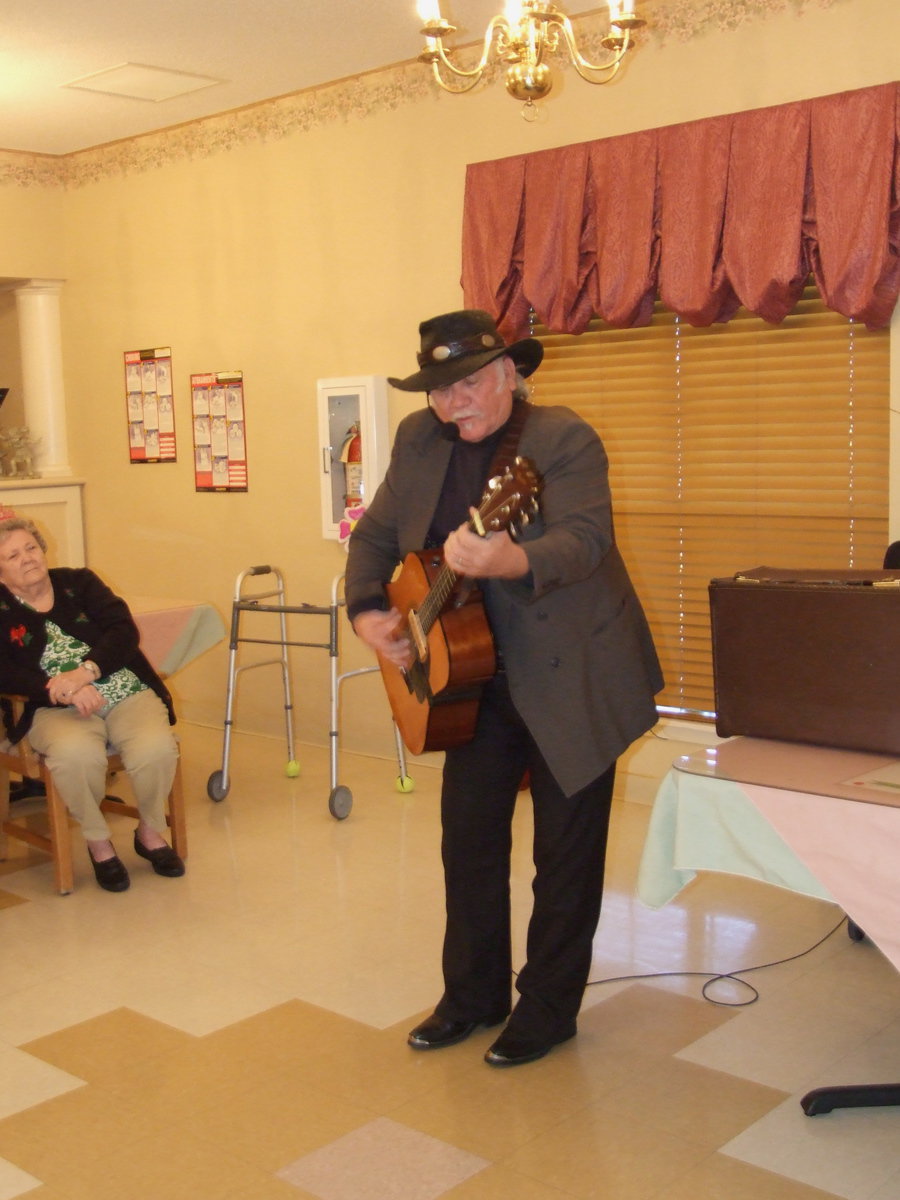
55	506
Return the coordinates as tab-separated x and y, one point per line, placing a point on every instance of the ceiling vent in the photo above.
135	81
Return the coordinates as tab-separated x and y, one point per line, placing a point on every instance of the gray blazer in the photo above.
581	664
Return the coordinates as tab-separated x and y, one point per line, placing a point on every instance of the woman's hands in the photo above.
75	688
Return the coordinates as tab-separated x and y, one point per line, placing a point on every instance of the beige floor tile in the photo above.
256	1012
601	1154
169	1087
851	1152
15	1182
97	1050
492	1113
721	1178
384	1160
281	1036
271	1189
177	1167
71	1134
785	1040
376	1067
26	1080
273	1119
703	1107
500	1183
653	1020
889	1190
44	1192
52	1003
195	997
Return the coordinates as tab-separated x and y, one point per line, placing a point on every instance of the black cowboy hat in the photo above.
456	344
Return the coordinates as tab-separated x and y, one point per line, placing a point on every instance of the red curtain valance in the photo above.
713	214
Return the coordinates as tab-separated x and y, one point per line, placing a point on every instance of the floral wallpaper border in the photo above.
347	100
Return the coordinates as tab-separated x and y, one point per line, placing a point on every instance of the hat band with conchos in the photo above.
456	344
476	343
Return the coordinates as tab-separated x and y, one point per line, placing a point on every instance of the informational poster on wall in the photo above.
150	405
220	432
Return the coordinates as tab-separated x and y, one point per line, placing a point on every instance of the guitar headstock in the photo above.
510	500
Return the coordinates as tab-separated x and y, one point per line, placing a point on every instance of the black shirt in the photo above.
464	483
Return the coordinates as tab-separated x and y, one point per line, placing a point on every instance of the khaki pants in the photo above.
76	747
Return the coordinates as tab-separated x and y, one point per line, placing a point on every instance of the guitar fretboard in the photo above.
434	603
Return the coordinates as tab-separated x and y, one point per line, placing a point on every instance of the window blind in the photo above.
734	446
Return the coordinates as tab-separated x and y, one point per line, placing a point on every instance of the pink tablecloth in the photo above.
832	833
852	848
174	632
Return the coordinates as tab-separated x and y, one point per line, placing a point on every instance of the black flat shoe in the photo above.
111	873
435	1032
513	1049
164	860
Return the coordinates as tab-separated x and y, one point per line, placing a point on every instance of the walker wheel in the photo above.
405	783
340	802
217	788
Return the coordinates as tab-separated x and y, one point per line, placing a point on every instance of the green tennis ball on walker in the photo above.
292	770
404	783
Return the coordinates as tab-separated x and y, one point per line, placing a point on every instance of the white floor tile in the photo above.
25	1080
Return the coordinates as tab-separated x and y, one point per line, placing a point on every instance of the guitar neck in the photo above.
436	600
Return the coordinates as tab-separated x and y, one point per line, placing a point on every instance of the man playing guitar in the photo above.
569	685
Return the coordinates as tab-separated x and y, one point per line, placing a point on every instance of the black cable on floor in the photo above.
713	977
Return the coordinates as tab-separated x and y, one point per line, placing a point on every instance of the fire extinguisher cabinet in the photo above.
354	450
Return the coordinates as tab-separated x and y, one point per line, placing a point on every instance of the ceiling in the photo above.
252	49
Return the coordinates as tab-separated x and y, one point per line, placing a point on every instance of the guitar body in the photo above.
435	704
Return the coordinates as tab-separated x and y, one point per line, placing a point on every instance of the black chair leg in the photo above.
861	1095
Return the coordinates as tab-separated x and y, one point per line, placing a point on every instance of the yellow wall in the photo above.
316	254
10	366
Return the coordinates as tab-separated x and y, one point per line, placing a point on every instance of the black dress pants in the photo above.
480	788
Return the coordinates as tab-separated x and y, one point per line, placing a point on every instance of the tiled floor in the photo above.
239	1034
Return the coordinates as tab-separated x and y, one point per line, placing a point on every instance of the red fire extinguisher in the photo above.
351	457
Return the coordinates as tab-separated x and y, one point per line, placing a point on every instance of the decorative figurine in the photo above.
17	453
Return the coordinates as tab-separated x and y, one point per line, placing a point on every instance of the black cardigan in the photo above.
84	607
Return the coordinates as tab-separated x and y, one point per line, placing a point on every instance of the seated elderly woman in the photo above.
70	646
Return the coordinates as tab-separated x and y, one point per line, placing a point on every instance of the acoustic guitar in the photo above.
435	700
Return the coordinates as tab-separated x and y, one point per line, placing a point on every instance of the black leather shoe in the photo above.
164	860
111	873
435	1032
513	1049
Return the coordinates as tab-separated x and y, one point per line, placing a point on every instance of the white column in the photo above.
43	394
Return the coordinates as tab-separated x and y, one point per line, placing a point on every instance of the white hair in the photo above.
11	524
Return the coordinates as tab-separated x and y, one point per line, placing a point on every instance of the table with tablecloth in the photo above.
174	632
820	821
817	820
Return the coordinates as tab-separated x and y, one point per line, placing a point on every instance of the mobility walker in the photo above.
340	799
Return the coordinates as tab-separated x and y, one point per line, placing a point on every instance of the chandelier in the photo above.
521	37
